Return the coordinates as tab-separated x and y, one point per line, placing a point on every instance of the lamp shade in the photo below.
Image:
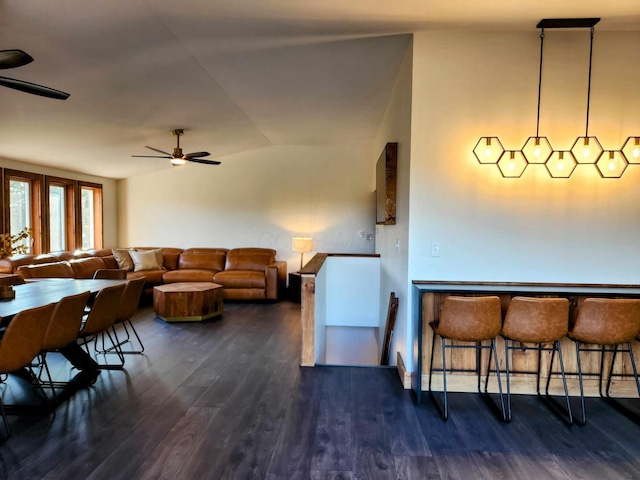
586	150
302	244
631	149
488	150
561	164
512	164
612	164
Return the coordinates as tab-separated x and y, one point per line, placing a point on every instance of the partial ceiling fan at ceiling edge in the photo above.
18	58
177	157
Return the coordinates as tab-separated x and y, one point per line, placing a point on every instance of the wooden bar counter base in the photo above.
187	302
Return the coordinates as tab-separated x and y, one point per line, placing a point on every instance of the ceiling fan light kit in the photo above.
178	158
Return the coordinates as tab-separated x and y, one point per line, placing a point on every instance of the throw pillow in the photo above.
144	260
159	256
123	258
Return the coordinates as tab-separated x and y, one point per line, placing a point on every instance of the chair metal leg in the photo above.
538	371
112	349
485	395
433	344
564	381
5	421
443	409
583	412
631	415
506	366
613	361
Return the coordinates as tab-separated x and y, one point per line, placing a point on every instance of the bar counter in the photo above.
427	301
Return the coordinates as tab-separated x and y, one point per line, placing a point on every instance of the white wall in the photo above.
353	291
109	193
260	198
533	229
396	127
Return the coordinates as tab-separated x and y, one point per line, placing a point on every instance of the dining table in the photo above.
40	292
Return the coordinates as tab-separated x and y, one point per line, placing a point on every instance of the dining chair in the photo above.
537	324
467	322
21	343
612	323
110	274
128	307
100	319
62	330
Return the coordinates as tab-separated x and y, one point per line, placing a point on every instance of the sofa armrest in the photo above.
276	280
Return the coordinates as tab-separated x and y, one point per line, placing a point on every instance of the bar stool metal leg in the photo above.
443	409
506	366
612	401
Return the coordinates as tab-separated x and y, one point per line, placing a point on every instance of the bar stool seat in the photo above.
537	321
609	323
467	319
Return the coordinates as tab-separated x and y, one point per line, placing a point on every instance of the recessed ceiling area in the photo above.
235	76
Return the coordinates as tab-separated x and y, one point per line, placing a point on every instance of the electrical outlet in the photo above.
361	233
435	249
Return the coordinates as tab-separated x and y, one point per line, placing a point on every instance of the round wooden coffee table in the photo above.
188	301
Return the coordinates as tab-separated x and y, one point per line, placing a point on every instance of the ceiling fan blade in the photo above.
149	156
33	89
159	151
205	162
188	156
14	59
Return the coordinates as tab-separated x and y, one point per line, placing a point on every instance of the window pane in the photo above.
20	208
57	219
88	218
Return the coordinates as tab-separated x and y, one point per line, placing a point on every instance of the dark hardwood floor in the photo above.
225	399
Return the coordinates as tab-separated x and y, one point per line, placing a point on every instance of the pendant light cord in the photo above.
586	134
540	82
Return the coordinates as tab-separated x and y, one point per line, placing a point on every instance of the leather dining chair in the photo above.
612	323
110	274
21	343
531	324
128	307
100	319
469	321
62	330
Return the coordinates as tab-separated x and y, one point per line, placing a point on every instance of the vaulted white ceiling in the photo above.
235	74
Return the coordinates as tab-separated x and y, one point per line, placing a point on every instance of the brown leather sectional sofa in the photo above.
245	273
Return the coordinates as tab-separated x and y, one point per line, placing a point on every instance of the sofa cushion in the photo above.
63	255
213	260
188	275
47	270
146	260
86	267
250	258
123	258
241	279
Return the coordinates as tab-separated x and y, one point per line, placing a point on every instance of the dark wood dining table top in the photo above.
42	292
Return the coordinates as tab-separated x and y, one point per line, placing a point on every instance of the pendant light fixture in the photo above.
586	150
538	149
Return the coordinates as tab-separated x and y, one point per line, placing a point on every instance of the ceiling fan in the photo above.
179	158
18	58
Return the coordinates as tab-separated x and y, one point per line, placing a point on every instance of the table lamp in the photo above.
302	245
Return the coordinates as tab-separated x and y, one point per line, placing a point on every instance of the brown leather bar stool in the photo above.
537	321
612	323
467	319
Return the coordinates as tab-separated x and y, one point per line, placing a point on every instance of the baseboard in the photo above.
405	377
523	385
